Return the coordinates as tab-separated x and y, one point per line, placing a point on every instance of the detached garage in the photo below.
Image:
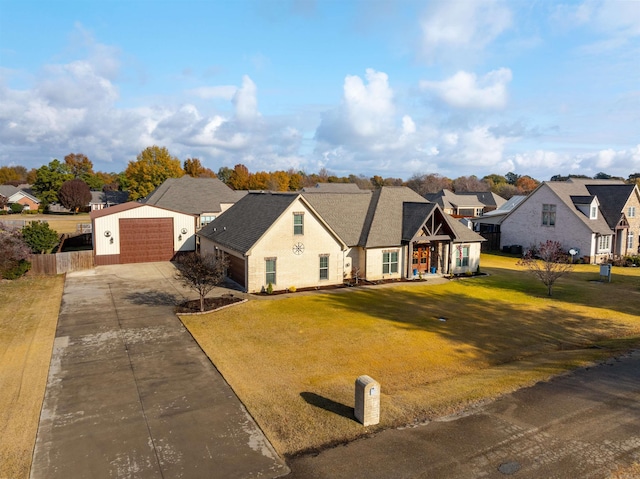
139	233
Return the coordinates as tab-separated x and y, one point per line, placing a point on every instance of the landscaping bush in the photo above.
17	271
269	288
16	208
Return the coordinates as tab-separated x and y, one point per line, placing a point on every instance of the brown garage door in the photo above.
235	271
143	240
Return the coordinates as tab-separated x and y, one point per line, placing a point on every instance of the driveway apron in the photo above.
131	394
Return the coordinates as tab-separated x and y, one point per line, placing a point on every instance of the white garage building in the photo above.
139	233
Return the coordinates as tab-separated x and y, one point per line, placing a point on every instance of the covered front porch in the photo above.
427	257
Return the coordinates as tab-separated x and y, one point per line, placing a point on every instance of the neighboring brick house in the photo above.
312	239
205	197
23	196
597	217
466	204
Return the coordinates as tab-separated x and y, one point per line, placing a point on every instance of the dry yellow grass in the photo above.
28	317
631	472
293	361
60	223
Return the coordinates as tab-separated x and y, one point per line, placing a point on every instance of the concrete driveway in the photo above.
130	393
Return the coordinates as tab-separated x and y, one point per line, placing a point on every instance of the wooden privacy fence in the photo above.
59	263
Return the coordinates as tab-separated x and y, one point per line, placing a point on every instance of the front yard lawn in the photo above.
434	349
28	318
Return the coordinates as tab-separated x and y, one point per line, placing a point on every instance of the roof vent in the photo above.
224	228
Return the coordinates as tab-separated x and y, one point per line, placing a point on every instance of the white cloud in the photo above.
369	107
465	90
462	26
245	100
222	92
620	161
617	21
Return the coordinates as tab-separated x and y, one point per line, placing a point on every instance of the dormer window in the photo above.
594	212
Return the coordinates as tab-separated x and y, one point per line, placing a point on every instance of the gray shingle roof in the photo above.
612	200
345	213
333	188
413	217
8	190
373	219
242	225
193	195
383	226
565	190
109	197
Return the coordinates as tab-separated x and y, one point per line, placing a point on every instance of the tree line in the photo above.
70	182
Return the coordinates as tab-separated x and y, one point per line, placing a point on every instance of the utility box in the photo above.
367	409
605	271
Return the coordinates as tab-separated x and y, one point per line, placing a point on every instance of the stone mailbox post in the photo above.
367	409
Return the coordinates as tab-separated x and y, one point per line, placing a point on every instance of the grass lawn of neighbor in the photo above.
61	223
435	348
28	317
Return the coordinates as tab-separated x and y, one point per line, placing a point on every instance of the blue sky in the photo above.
390	88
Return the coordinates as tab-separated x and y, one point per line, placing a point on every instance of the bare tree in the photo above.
471	183
201	273
430	183
356	274
547	262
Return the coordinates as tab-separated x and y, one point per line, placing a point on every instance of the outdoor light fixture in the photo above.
179	237
111	241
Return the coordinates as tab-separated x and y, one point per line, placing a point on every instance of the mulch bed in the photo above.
362	282
210	304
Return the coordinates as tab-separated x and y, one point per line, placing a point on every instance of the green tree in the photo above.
152	166
512	178
39	236
74	194
49	180
224	174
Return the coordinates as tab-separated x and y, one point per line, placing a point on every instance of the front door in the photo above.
420	260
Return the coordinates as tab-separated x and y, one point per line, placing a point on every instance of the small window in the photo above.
463	256
324	266
205	220
594	212
270	268
548	215
389	262
631	213
298	223
630	240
